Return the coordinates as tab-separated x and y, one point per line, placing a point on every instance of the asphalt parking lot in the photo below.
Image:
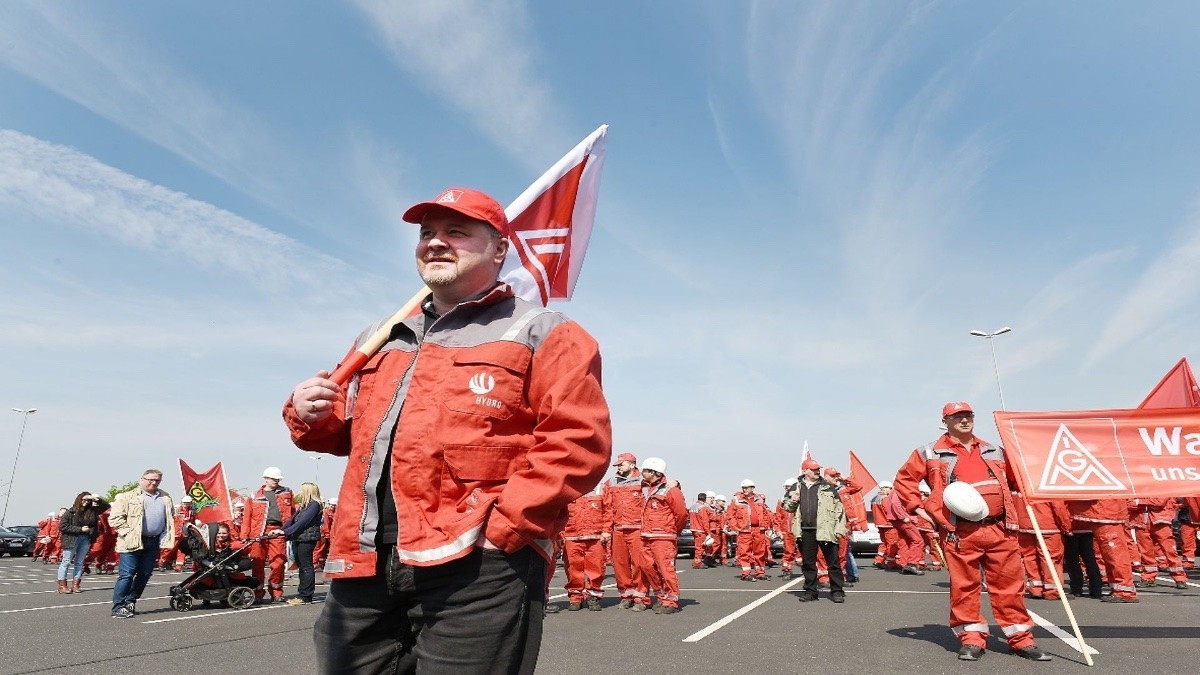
889	624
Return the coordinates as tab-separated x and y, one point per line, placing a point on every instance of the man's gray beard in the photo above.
434	279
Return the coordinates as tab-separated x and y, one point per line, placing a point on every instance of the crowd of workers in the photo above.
631	522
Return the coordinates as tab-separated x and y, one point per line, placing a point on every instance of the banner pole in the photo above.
1037	530
359	358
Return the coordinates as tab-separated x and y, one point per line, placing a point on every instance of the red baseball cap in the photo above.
832	472
625	457
810	463
471	203
955	407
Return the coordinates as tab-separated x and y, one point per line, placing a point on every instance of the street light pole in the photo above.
24	421
995	368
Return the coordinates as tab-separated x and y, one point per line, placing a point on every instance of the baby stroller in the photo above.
221	577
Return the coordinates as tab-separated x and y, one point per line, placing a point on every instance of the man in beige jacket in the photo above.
144	519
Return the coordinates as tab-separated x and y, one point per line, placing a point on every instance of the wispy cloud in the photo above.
482	63
879	182
102	66
71	187
220	264
1168	284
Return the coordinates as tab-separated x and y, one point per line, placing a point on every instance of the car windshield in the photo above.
5	530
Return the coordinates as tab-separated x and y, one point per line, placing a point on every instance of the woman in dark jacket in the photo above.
78	527
303	530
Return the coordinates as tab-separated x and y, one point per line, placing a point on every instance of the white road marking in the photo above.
205	615
1061	634
714	627
79	604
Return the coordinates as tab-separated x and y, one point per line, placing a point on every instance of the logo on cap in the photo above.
450	197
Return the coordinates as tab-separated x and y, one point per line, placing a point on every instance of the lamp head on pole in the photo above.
1002	331
25	412
979	333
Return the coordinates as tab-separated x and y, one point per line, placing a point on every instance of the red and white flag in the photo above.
860	475
1177	389
1103	454
210	496
551	222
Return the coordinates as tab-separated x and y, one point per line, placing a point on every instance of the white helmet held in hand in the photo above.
964	501
654	464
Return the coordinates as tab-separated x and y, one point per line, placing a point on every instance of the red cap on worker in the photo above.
471	203
625	457
810	463
832	472
955	407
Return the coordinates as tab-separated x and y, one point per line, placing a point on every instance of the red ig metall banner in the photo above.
1103	454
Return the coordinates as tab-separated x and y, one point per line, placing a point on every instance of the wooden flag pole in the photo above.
1037	530
355	361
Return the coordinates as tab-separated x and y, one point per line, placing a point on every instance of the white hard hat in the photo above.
747	483
51	514
885	483
710	494
273	472
964	501
790	482
654	464
722	498
186	500
333	501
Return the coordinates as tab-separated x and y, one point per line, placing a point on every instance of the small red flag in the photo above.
1177	389
860	475
210	496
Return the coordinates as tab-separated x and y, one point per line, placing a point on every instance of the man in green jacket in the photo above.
819	520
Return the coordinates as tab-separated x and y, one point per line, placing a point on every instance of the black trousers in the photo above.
1078	546
479	614
808	564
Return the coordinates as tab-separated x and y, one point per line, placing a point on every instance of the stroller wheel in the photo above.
181	603
240	597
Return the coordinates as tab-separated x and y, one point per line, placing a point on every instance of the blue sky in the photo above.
805	209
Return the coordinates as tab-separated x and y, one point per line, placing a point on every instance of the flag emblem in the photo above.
450	197
200	496
1071	466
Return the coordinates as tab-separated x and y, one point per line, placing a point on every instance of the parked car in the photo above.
865	543
687	542
15	543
